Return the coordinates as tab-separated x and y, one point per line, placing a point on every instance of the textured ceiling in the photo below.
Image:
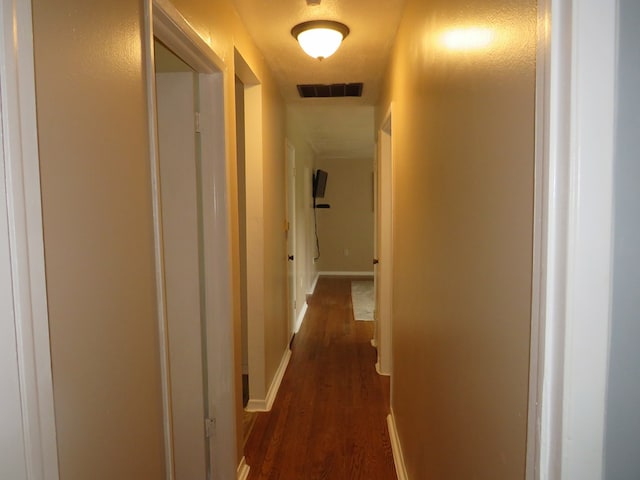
334	127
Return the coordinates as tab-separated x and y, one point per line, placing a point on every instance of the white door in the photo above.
291	236
181	232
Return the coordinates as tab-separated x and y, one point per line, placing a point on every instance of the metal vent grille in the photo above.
334	90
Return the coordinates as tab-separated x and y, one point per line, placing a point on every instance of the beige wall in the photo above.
92	122
305	242
346	229
463	199
275	214
98	239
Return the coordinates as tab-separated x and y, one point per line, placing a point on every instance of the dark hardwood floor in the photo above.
329	418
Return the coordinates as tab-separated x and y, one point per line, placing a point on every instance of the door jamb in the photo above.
291	238
26	241
572	238
383	329
165	22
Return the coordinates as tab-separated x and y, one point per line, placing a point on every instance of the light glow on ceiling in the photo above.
466	39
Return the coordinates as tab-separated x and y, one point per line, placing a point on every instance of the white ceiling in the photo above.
338	127
334	131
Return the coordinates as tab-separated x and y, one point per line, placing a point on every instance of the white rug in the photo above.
362	299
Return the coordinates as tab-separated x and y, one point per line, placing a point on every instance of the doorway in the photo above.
291	239
177	101
189	175
383	263
242	236
252	227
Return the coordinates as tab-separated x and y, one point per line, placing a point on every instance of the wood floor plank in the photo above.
329	418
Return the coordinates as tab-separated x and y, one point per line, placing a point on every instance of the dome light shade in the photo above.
320	38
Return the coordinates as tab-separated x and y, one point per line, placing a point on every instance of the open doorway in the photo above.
253	226
291	239
383	262
177	101
242	236
186	110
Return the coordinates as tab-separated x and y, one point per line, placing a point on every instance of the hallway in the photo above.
329	418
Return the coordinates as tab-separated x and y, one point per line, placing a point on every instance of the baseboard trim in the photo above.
345	274
313	284
396	448
300	318
260	405
243	470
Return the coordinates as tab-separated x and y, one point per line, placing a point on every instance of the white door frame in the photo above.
573	173
23	285
572	233
164	21
260	398
292	298
384	246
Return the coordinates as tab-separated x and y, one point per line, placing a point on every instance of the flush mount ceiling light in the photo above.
320	38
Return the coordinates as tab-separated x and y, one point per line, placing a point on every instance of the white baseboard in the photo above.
346	274
243	470
260	405
313	284
300	318
396	448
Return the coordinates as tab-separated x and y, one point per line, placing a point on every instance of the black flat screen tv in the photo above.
319	183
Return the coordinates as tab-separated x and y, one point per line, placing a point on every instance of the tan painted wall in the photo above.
346	229
305	242
98	238
98	226
463	136
275	214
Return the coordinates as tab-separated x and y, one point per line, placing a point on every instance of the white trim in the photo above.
292	266
259	405
313	284
218	277
175	31
540	227
26	240
575	248
243	469
300	318
396	448
161	302
165	22
588	288
554	198
384	253
345	274
379	371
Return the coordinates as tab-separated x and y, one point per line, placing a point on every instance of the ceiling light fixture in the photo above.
320	38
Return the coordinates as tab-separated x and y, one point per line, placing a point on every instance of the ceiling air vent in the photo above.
334	90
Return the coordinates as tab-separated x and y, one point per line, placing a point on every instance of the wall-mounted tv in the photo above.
319	183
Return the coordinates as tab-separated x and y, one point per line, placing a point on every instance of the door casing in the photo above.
164	22
384	246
